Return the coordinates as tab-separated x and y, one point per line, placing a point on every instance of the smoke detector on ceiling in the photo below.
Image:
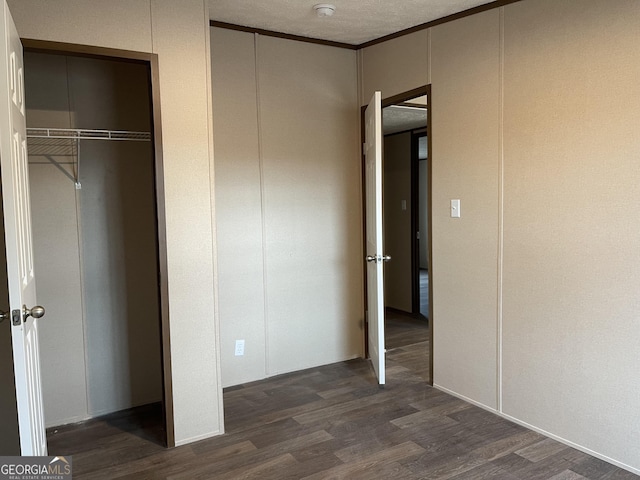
324	9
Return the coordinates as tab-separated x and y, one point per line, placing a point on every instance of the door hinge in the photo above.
16	317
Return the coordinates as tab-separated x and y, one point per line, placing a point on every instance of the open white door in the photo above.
375	257
19	251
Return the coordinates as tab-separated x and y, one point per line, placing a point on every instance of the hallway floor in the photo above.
407	341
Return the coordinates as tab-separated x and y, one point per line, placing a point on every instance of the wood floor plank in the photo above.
404	329
392	470
542	449
422	417
341	409
389	455
209	465
567	475
619	474
448	406
595	468
505	446
551	465
267	469
144	467
484	472
277	432
334	392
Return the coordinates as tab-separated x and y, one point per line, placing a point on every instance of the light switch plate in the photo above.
455	208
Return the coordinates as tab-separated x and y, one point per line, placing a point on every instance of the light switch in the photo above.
404	204
455	208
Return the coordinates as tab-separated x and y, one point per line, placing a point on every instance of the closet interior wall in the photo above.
95	247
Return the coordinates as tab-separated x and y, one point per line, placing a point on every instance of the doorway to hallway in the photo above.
406	207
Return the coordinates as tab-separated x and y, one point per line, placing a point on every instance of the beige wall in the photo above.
398	273
288	204
571	229
238	195
178	33
561	158
535	124
465	66
395	66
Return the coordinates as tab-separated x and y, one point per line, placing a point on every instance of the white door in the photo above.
17	223
375	256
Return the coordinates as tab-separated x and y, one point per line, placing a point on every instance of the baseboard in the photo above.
100	413
68	421
197	438
569	443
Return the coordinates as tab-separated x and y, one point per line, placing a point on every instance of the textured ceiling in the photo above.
398	118
354	22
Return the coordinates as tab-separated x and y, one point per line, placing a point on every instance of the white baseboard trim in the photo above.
69	421
543	432
197	438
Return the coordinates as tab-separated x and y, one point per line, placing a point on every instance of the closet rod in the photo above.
84	134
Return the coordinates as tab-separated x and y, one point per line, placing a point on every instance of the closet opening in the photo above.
97	200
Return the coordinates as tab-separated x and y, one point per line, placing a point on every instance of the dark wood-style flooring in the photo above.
332	422
407	341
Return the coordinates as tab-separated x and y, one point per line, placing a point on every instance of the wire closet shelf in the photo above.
50	142
85	134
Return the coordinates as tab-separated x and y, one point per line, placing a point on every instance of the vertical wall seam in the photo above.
359	153
212	199
83	311
151	25
500	213
267	365
429	58
76	197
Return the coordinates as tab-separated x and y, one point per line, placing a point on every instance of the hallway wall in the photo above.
423	192
398	273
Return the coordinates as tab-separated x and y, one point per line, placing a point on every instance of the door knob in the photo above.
371	258
386	258
4	316
35	312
